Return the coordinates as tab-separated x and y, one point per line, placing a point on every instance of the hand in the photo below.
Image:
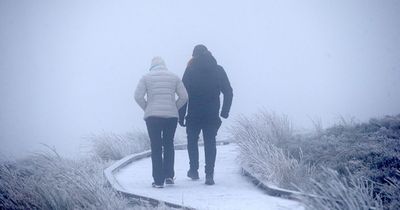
224	115
182	123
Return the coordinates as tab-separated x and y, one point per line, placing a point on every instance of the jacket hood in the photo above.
204	61
199	50
157	63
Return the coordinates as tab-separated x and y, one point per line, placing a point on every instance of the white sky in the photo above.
69	68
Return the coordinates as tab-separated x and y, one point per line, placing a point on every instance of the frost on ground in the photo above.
347	166
231	191
47	181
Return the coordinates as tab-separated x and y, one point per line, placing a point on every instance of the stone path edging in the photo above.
115	167
270	190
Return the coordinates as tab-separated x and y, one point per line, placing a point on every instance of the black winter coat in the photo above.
204	80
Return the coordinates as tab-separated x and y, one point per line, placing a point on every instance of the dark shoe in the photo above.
157	185
169	181
209	180
194	175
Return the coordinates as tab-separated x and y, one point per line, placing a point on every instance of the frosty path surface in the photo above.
231	191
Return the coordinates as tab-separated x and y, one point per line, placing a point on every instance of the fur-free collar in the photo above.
158	67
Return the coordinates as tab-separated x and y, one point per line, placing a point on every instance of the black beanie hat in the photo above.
198	50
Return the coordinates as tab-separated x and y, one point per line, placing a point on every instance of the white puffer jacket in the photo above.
160	86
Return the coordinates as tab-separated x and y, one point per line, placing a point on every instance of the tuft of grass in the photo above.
334	191
347	155
48	181
260	138
392	191
111	146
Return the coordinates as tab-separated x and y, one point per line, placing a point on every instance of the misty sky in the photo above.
69	68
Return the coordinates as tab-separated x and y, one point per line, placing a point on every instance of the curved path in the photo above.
231	191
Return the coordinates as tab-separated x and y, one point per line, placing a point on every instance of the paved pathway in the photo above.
231	191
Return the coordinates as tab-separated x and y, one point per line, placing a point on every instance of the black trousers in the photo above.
210	130
161	132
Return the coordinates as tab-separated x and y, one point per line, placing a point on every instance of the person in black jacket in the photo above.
204	80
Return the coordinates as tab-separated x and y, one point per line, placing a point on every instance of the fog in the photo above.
69	68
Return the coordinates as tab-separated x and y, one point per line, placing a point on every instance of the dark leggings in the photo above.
161	132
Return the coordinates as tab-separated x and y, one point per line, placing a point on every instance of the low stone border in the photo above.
276	191
270	190
115	167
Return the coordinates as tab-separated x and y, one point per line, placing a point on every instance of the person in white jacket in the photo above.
160	106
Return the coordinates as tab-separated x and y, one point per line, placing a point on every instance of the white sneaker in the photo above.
157	185
169	181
